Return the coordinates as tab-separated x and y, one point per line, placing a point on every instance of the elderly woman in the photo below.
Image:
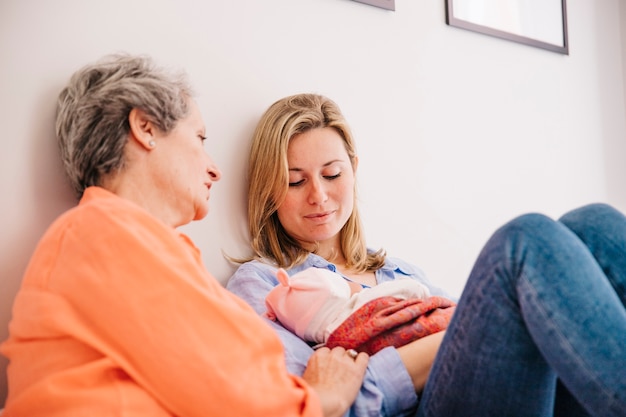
538	331
117	315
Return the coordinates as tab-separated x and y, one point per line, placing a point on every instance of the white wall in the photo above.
457	131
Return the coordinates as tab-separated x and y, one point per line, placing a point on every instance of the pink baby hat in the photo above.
307	302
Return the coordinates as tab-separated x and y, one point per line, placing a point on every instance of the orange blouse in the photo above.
117	316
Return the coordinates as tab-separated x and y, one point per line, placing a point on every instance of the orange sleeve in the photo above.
135	291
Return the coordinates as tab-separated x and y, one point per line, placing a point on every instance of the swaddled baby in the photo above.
316	303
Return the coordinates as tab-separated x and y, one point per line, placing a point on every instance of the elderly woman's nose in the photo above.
214	171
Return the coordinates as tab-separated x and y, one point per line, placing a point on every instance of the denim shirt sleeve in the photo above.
387	388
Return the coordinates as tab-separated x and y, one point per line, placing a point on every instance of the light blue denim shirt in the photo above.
387	389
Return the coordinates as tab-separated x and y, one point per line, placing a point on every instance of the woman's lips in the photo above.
319	217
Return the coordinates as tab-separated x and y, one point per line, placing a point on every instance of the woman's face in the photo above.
320	198
185	171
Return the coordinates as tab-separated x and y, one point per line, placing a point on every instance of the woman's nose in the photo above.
317	192
214	171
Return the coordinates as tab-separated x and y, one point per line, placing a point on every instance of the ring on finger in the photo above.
352	353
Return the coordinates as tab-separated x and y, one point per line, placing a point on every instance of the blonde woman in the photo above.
540	325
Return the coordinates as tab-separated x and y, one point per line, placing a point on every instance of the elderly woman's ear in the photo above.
142	129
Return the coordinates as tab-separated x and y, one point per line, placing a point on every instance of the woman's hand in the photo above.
336	376
418	357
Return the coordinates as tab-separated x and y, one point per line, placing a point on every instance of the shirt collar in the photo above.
319	262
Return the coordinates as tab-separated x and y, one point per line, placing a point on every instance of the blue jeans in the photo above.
540	328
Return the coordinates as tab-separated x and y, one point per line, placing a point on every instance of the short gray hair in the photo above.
92	114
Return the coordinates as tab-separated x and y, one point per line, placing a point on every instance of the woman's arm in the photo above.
140	299
418	357
387	388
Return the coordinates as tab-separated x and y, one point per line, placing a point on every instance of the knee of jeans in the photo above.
531	222
531	227
531	232
593	221
586	212
523	223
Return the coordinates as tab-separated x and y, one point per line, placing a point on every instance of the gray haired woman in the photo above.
117	314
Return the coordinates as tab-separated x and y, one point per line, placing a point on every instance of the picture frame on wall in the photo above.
384	4
539	23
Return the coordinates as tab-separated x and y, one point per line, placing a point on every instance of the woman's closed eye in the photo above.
302	181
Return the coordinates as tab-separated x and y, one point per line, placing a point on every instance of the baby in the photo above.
316	304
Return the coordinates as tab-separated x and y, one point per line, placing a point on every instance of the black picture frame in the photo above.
554	24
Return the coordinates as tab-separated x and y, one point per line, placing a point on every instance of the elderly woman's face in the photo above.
320	198
185	172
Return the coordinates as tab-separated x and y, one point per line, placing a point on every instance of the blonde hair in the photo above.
268	182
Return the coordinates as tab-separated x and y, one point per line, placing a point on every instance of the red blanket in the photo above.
387	321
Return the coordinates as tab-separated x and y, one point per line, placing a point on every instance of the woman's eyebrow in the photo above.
296	169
